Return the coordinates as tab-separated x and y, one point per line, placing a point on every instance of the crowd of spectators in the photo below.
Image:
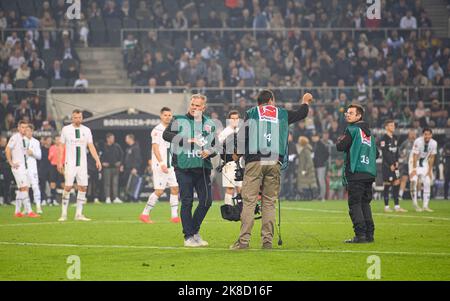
392	72
37	51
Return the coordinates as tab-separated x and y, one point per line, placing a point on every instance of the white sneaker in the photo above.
63	218
55	203
418	209
108	201
38	210
118	201
96	201
191	242
199	239
82	218
427	209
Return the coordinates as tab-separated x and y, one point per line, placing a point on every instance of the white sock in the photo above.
26	202
65	202
386	207
152	199
414	194
400	193
426	192
397	206
37	196
174	205
228	199
18	201
81	199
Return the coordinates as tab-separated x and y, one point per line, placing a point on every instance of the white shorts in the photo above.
33	178
79	173
163	180
228	173
420	172
21	177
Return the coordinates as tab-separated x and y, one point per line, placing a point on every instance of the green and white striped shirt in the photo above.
76	141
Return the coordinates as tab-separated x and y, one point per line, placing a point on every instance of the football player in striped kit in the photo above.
16	154
33	154
76	138
421	162
163	171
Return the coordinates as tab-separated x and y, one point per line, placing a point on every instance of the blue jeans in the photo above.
187	181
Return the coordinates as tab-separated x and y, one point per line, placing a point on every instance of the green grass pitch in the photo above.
116	246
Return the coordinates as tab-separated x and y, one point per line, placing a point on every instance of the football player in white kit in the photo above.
421	161
33	154
16	154
228	137
163	172
76	138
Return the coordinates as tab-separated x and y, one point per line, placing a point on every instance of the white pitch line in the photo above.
377	214
205	222
30	244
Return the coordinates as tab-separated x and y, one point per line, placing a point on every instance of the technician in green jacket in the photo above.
358	145
192	138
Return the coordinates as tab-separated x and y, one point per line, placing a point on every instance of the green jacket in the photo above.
188	155
268	131
362	155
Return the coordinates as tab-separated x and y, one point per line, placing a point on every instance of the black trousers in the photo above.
187	182
446	179
5	184
359	198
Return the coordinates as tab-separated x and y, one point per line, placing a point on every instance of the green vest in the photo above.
268	131
189	154
363	153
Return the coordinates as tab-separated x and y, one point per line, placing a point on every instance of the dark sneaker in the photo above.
238	246
356	240
370	238
267	246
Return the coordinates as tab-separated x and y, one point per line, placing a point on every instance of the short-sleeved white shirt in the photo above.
76	141
424	151
19	145
163	146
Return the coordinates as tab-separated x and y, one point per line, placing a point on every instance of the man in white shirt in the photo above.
408	21
76	138
421	161
228	137
33	154
16	155
163	171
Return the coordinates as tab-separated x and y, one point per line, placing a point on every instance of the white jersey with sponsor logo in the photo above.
19	145
163	146
76	141
423	150
35	147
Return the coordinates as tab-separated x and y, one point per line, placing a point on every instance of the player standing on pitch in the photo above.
16	155
421	167
33	154
163	171
76	138
361	153
390	170
229	138
405	150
